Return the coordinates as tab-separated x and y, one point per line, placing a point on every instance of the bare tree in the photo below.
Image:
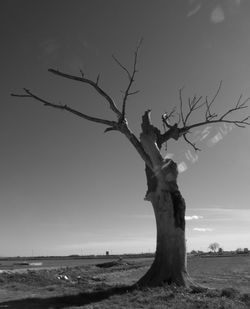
214	246
169	265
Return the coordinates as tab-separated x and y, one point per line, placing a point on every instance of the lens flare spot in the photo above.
182	167
214	140
205	133
191	157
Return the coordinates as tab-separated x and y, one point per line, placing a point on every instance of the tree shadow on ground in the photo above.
59	302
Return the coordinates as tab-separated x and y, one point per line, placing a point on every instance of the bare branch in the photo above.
82	73
97	79
208	114
91	83
131	76
122	66
195	104
181	107
29	94
237	107
110	129
134	92
138	146
166	118
216	94
121	125
190	143
112	125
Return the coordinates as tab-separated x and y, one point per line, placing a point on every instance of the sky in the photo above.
68	188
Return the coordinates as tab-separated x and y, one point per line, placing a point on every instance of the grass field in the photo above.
89	286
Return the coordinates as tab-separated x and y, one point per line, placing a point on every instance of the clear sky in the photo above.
68	188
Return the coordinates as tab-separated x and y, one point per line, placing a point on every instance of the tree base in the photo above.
156	277
151	279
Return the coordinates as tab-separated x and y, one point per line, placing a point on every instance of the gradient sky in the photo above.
68	188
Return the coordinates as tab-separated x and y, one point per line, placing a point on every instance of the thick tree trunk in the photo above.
169	265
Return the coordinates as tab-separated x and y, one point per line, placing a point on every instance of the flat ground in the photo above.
90	286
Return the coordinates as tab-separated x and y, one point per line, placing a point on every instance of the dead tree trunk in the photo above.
169	206
169	265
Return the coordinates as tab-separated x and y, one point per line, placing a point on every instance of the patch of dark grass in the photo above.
213	293
245	297
51	288
229	293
